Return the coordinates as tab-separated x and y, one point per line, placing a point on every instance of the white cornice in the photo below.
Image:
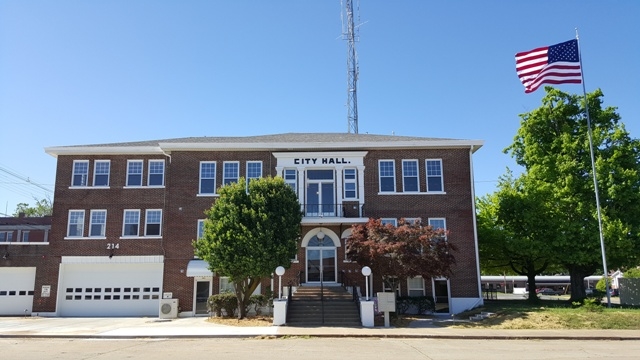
102	150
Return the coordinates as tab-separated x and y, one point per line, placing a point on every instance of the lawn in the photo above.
553	314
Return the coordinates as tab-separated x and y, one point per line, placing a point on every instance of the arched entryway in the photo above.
321	256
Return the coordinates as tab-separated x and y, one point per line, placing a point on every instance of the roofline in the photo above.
167	147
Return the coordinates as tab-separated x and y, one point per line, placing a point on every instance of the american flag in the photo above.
555	64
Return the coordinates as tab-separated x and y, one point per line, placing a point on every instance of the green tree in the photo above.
632	273
247	234
511	236
43	207
401	252
552	145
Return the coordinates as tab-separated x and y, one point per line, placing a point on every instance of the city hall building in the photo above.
125	216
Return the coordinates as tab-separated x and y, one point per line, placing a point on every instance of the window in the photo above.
391	221
291	178
207	177
80	173
98	223
200	229
415	286
153	223
6	236
434	176
438	223
134	173
156	173
25	236
230	173
131	223
101	172
387	176
411	221
410	176
349	183
254	170
387	288
76	223
226	285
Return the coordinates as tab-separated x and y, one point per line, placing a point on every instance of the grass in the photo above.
552	314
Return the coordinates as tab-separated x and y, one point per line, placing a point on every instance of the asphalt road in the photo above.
326	348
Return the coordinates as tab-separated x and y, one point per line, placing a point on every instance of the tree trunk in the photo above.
531	287
577	275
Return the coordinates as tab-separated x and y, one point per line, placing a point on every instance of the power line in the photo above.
26	180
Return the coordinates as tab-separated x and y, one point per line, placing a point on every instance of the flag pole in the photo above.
595	178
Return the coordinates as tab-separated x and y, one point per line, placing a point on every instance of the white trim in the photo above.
146	223
475	226
412	193
164	170
395	221
124	217
73	173
423	289
246	174
69	223
426	172
27	243
126	181
95	173
104	225
380	176
224	172
85	238
215	171
328	233
417	176
198	268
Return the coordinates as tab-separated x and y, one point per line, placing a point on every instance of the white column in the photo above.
360	189
339	186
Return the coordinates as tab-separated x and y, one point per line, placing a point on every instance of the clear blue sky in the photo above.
87	72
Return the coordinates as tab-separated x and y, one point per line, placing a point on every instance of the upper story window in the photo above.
153	225
131	223
75	226
387	173
438	223
434	175
410	181
156	173
25	236
6	236
291	178
207	177
134	172
101	172
98	223
254	170
230	172
80	173
350	184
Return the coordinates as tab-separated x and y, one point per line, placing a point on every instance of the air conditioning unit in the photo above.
168	308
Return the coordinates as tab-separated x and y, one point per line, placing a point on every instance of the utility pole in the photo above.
350	33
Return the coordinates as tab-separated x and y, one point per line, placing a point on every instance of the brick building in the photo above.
125	214
24	246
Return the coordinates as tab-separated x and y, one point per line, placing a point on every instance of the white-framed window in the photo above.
231	172
410	182
411	221
80	173
226	285
98	223
6	236
101	172
134	172
254	170
200	233
131	223
392	221
75	226
415	286
386	288
387	173
350	183
438	223
435	182
207	177
25	236
291	178
156	173
153	223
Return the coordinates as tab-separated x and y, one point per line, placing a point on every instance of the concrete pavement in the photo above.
199	327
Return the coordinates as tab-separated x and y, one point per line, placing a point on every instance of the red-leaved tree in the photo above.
398	253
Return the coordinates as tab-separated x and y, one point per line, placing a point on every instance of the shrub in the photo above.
632	273
421	304
226	301
257	302
601	285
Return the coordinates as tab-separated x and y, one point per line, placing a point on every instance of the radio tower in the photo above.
350	33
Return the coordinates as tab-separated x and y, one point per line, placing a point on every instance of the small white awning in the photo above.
198	268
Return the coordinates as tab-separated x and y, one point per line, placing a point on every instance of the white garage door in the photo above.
16	290
121	289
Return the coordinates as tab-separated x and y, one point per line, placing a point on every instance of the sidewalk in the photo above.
198	327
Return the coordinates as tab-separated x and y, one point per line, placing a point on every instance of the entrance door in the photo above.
441	290
203	290
321	259
320	193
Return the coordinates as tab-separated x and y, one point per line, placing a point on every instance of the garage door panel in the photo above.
16	290
110	289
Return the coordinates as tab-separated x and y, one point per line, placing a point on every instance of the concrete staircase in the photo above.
305	308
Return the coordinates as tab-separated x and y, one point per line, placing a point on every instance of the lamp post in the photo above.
366	271
279	272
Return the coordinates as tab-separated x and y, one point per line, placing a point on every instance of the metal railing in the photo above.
346	210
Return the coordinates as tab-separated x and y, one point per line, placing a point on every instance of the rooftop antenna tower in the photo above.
350	33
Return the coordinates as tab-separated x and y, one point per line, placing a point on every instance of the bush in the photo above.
257	302
421	304
601	286
632	273
226	301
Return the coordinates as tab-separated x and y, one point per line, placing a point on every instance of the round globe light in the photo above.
279	271
366	271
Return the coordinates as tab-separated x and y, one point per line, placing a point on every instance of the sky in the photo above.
91	72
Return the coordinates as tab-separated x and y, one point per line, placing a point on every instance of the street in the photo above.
328	348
